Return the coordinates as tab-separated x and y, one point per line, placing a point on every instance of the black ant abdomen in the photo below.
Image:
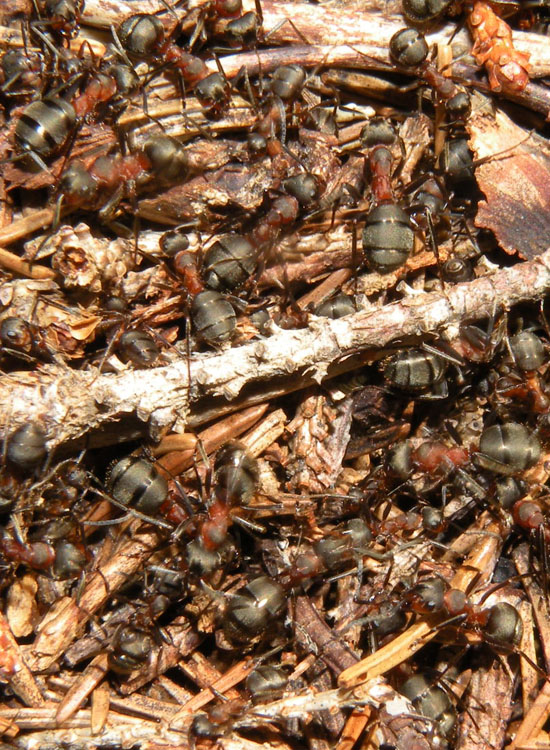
229	263
422	11
504	624
388	238
70	560
414	369
236	474
135	482
139	348
45	125
337	307
304	187
432	701
456	270
527	350
457	161
141	34
253	608
266	683
408	48
287	81
508	449
26	446
213	317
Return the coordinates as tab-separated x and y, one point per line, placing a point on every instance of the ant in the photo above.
500	623
24	340
508	449
234	483
22	67
134	483
160	158
233	258
212	316
62	16
47	125
130	649
143	35
248	614
26	447
388	236
63	558
432	701
528	354
240	28
409	49
37	555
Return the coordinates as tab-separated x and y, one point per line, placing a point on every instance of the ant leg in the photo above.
279	25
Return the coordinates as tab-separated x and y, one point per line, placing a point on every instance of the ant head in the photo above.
167	158
378	131
77	185
141	34
287	81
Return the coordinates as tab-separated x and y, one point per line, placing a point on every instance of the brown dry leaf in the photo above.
516	183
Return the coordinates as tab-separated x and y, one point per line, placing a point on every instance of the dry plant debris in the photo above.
274	393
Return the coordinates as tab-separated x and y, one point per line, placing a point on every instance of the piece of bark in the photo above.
488	708
515	183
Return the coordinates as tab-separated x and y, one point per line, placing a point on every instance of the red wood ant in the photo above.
231	260
409	49
159	158
62	16
526	385
388	237
46	125
37	555
143	35
501	622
